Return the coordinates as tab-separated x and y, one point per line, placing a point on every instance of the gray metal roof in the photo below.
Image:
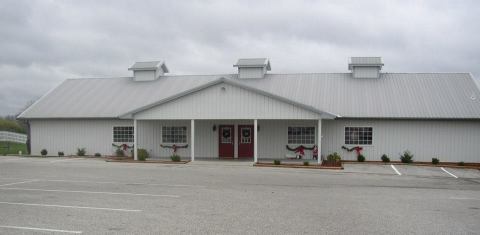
393	95
253	62
365	61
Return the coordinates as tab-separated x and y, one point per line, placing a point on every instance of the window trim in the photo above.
304	125
362	126
113	134
186	134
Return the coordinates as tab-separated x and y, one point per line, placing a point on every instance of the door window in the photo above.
226	135
246	137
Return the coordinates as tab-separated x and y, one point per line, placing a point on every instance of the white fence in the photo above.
13	137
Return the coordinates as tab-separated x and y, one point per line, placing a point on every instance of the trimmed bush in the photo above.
44	152
119	152
98	155
175	158
461	163
305	163
81	151
385	158
276	162
61	154
407	157
435	161
360	158
334	157
142	154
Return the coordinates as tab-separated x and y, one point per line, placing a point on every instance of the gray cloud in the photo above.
44	42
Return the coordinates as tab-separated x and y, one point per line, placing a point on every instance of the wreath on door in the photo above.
226	134
246	133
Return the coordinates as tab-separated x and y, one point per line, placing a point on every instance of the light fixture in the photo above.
258	128
214	128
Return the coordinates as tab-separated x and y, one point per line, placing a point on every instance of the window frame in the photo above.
305	126
125	138
171	126
358	126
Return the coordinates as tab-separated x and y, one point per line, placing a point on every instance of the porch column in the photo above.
192	140
255	141
319	141
135	141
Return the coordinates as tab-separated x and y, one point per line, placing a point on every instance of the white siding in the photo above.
246	73
96	136
451	141
150	138
144	75
224	101
366	72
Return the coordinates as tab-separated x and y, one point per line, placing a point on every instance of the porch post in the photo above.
255	141
135	141
192	140
319	141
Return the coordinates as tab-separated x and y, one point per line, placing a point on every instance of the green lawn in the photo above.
14	148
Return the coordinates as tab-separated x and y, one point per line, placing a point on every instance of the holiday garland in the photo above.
174	147
123	146
299	147
357	149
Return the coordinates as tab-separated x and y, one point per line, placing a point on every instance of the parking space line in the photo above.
73	207
464	198
449	173
42	229
69	159
395	169
23	182
92	192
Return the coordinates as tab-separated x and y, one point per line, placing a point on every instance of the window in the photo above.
174	134
358	135
301	135
123	134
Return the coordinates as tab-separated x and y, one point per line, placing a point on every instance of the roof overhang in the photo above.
323	114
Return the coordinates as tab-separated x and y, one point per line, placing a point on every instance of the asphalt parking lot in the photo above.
91	196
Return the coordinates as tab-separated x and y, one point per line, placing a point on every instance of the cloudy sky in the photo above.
44	42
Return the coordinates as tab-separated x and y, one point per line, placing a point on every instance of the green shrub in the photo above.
435	161
98	155
407	157
306	163
461	163
334	157
81	151
142	154
175	158
360	158
119	152
276	162
385	158
44	152
60	154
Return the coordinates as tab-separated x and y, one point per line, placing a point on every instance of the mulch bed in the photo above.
130	160
296	165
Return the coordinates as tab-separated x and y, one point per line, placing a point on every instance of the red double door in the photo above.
226	141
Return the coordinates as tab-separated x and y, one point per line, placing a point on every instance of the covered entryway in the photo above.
222	118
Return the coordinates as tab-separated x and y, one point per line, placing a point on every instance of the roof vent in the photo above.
148	71
365	67
252	68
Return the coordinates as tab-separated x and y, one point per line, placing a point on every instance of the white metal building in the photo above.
256	114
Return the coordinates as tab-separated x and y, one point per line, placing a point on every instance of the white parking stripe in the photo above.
23	182
110	182
69	159
91	192
74	207
395	169
42	229
448	172
464	198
